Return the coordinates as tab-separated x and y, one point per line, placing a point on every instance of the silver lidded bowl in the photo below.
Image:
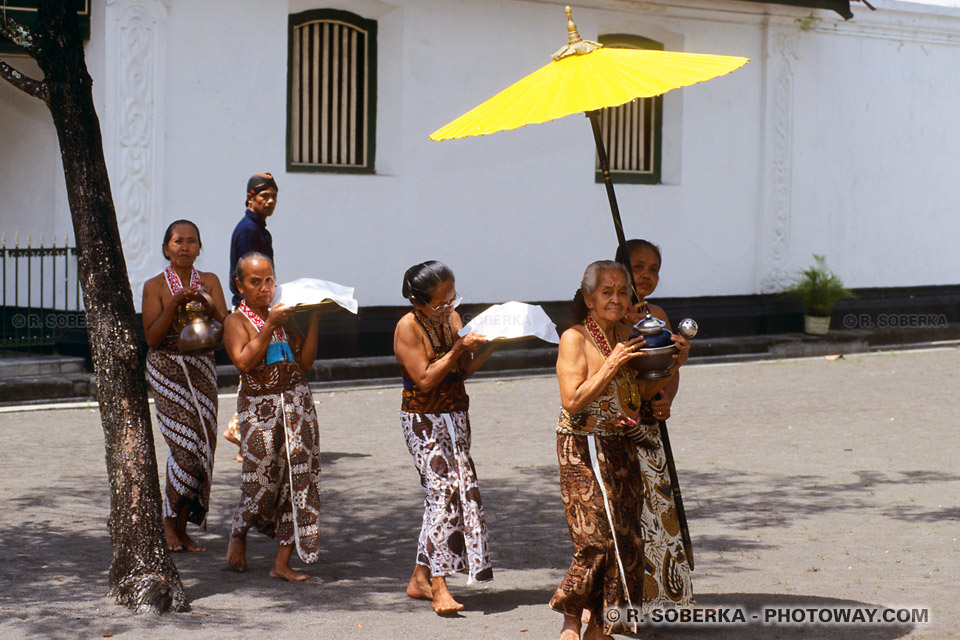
659	349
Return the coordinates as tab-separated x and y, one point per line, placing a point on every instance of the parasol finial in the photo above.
573	36
575	44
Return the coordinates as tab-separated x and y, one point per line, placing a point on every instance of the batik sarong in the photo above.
280	445
606	571
185	396
603	501
666	578
453	538
280	494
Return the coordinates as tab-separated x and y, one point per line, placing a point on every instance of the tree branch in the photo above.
17	33
35	88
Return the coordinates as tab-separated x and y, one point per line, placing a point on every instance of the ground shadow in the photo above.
746	500
370	526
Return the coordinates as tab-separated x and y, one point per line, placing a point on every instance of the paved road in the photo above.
809	483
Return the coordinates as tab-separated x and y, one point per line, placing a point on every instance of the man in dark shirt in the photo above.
251	233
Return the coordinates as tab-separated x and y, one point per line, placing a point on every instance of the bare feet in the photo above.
443	602
170	534
571	628
185	541
288	574
237	554
281	566
594	632
419	585
189	544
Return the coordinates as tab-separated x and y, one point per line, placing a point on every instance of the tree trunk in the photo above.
142	574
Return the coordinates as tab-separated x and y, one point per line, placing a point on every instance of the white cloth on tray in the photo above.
513	320
312	291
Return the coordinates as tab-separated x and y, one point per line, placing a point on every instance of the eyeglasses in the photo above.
440	308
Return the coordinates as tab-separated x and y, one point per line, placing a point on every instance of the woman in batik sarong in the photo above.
598	435
434	362
184	386
279	434
667	579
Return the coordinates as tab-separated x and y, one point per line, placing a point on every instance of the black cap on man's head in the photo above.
260	182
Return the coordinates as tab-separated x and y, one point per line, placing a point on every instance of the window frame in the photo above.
655	176
370	126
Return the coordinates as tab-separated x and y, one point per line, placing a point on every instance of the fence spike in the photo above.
4	240
41	239
29	241
16	243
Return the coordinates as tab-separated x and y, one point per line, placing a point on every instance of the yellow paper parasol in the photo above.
585	77
576	83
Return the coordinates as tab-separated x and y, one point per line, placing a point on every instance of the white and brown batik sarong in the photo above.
666	569
280	444
185	396
453	538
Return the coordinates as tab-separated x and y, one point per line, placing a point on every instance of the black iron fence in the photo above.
42	302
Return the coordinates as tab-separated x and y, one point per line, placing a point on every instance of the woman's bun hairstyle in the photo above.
420	280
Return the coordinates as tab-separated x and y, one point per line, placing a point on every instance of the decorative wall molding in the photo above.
777	160
895	20
923	24
135	59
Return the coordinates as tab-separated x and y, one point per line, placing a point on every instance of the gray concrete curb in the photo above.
71	384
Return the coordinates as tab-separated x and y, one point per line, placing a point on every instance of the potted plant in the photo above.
819	289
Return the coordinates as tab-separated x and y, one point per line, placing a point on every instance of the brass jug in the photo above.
201	334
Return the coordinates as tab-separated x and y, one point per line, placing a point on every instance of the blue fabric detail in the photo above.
279	352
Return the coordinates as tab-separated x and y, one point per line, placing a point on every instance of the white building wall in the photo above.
33	197
838	138
876	151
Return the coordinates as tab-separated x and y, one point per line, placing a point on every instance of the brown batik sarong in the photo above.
453	538
666	576
185	396
606	573
280	494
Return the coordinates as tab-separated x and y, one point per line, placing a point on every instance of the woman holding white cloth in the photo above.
434	363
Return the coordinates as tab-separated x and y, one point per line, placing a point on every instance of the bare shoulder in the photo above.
571	356
154	284
573	337
233	321
405	324
209	278
408	331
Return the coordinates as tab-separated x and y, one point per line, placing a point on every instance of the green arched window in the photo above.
331	92
633	132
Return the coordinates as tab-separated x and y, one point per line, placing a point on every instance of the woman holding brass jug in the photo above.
182	312
599	436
